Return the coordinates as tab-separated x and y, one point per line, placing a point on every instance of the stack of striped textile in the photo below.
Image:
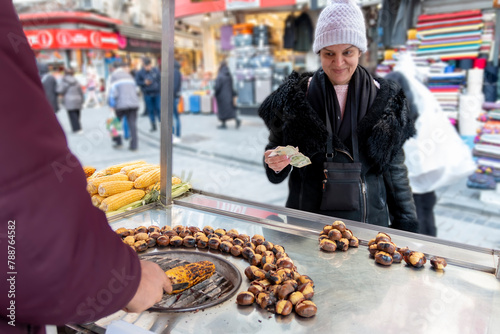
451	35
487	141
446	87
488	33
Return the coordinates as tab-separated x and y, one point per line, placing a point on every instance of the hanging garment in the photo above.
289	35
226	34
408	12
303	33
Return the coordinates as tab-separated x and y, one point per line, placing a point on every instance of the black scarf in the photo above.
360	95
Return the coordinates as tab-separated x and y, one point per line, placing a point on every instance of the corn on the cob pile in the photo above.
133	180
93	184
115	202
184	277
116	168
134	174
88	170
114	187
147	179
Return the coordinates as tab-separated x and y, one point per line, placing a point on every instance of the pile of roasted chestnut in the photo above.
386	252
275	283
337	237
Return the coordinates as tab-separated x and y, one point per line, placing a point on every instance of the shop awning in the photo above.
45	18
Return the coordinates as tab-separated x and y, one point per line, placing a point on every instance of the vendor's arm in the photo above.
399	195
69	265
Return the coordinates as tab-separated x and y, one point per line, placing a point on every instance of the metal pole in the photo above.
167	100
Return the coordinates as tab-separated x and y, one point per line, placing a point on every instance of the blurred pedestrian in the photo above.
149	79
124	100
177	93
49	83
91	90
224	94
72	97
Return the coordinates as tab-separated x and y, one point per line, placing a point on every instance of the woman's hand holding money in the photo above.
276	162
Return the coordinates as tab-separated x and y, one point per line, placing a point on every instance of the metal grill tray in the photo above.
218	288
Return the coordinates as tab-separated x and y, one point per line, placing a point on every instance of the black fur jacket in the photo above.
385	195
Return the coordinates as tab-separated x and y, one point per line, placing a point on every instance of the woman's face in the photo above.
339	62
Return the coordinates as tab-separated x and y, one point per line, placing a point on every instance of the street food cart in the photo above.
353	294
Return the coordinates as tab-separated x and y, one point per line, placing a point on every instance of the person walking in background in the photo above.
149	78
224	94
350	125
49	83
124	100
72	97
177	93
91	90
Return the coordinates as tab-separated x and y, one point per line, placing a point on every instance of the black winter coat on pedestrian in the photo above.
381	133
49	83
224	94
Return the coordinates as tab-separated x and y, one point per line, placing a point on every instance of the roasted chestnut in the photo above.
123	232
285	290
274	277
381	236
322	237
226	238
176	241
342	244
386	246
258	239
383	258
202	242
154	235
178	228
328	245
255	289
296	297
151	242
141	236
397	257
279	255
371	242
130	240
184	233
277	249
334	235
140	245
225	246
253	273
214	243
306	309
189	241
404	251
236	250
247	253
194	230
244	237
260	249
232	233
268	257
220	232
302	279
245	298
339	225
170	233
327	229
373	249
354	242
198	235
284	307
269	245
249	244
141	229
269	267
268	301
153	228
438	263
238	242
165	228
347	234
284	262
255	260
415	259
163	240
307	290
208	230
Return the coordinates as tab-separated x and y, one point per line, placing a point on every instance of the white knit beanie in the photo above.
340	22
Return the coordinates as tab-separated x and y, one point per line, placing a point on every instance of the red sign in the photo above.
71	39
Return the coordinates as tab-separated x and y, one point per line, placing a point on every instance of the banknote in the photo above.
297	159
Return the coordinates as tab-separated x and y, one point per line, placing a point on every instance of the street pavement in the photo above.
229	162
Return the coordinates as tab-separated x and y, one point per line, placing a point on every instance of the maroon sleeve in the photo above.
68	264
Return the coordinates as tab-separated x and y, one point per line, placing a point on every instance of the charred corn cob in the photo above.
96	200
114	187
115	202
184	277
116	168
147	179
127	169
88	170
93	184
134	174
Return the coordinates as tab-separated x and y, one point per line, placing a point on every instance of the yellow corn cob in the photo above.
154	186
176	180
100	173
93	184
97	199
135	173
127	169
115	202
114	187
88	170
184	277
116	168
147	179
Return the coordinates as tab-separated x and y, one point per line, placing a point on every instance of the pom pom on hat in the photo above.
340	22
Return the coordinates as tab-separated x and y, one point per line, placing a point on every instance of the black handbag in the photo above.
342	184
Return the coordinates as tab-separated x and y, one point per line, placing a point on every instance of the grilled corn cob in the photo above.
184	277
88	170
93	184
147	179
127	169
134	174
155	186
115	202
114	187
97	199
116	168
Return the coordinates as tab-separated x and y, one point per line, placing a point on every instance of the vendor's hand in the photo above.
277	162
153	283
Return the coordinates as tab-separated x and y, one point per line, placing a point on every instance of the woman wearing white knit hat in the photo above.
350	125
